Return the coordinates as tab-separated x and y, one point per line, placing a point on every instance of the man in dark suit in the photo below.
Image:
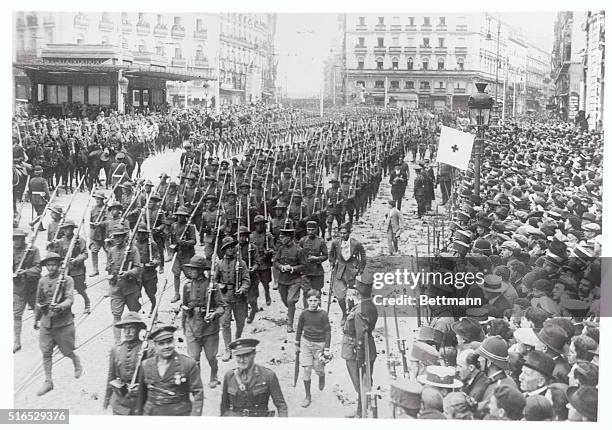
398	180
347	258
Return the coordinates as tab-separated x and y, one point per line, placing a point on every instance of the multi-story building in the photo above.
567	64
63	57
247	65
537	78
594	67
333	65
430	60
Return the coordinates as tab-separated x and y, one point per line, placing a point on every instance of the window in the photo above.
425	64
411	20
360	84
124	18
159	49
440	42
460	85
426	21
426	42
440	63
78	93
381	20
98	95
142	46
441	85
80	39
395	41
442	20
160	19
360	63
124	42
361	42
198	25
425	85
199	55
460	63
409	85
381	42
362	20
379	84
140	17
410	64
395	85
379	63
395	63
461	42
178	53
177	20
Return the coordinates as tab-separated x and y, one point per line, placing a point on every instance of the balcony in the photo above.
441	50
81	21
360	27
49	21
461	50
380	50
395	50
32	21
441	28
106	26
126	27
440	90
200	64
459	90
200	34
412	50
425	89
143	28
20	24
179	62
152	58
461	27
360	49
425	49
177	31
396	27
160	30
411	28
380	27
426	28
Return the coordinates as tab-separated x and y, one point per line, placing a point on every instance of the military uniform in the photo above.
208	230
149	258
264	242
76	269
97	233
334	208
122	365
39	193
250	256
290	283
183	238
24	286
313	270
420	194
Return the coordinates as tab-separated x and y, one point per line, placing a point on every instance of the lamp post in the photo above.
123	88
479	105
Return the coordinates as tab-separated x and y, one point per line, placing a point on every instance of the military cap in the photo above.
164	175
417	168
493	284
182	210
231	193
38	169
114	204
259	218
312	224
425	353
287	231
468	328
187	144
51	256
119	230
142	228
332	180
148	183
57	209
244	230
297	194
239	169
156	197
162	332
364	283
243	346
172	184
131	318
208	197
191	176
235	159
244	185
198	262
17	232
99	194
227	242
406	393
127	184
280	205
225	162
440	376
287	170
120	156
68	223
309	187
210	178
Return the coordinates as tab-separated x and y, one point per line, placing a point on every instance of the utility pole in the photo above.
497	60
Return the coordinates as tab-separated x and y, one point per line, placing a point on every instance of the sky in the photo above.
303	41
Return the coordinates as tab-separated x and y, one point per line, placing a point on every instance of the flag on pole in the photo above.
455	147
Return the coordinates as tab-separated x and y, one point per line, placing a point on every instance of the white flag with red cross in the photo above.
455	147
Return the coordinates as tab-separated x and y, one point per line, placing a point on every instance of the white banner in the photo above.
455	147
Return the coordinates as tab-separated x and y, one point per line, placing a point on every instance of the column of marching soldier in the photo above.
258	219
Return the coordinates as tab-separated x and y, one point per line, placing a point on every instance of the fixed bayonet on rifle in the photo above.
401	344
390	360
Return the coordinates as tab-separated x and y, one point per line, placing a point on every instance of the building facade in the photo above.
594	68
567	63
432	60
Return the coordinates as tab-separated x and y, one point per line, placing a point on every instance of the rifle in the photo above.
65	213
25	190
390	361
212	267
127	210
401	344
36	221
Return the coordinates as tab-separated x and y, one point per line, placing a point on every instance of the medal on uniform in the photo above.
179	379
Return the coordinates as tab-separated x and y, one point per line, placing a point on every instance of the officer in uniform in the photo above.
39	192
53	317
168	378
316	253
357	330
76	264
247	389
232	279
97	229
183	240
202	307
290	260
264	241
124	267
420	192
335	208
25	280
150	259
122	365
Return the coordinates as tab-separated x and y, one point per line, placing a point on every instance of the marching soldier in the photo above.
357	330
122	365
144	196
183	240
119	174
289	261
54	318
445	172
211	219
232	279
97	230
56	213
420	192
264	241
335	210
156	221
247	389
348	190
230	210
170	203
250	257
39	192
399	182
163	184
150	259
202	310
168	378
124	267
25	280
130	201
76	264
316	253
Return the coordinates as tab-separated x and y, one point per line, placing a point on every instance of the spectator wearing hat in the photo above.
459	406
422	355
357	330
54	319
183	240
122	364
582	404
232	278
442	378
394	226
493	290
554	339
405	396
76	262
26	273
124	267
506	404
347	258
469	370
432	404
248	388
168	379
536	373
38	190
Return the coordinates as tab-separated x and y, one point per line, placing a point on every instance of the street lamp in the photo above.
123	89
479	106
